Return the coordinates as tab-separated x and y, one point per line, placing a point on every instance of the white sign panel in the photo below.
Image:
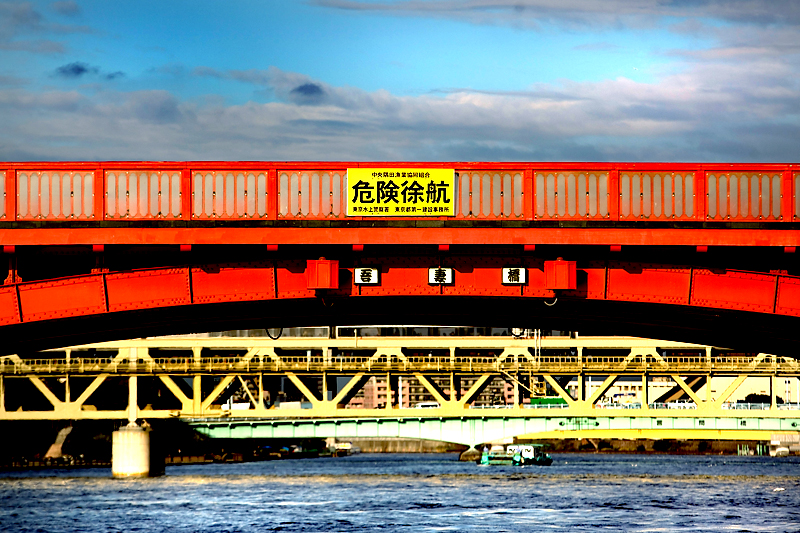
366	276
515	276
440	276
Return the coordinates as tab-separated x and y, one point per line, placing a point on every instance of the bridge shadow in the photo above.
740	330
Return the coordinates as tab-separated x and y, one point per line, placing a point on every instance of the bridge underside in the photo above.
718	298
475	431
741	330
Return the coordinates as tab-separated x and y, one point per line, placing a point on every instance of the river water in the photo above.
416	493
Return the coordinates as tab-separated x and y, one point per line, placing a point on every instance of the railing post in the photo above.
787	196
98	195
528	200
186	194
272	194
11	194
700	198
613	194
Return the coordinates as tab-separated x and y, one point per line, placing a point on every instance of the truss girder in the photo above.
131	361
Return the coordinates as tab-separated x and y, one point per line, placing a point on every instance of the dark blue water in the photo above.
417	493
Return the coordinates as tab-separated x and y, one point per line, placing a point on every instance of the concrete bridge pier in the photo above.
132	450
471	454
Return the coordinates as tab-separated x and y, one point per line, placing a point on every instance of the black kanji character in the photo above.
363	193
412	193
437	193
387	192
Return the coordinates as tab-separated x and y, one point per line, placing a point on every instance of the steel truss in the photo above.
196	382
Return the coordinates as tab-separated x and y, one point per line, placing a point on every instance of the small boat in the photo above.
516	455
344	449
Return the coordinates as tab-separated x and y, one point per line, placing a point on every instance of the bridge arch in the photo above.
732	308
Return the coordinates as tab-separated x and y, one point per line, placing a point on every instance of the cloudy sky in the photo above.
493	80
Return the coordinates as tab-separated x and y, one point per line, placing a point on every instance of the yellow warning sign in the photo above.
400	192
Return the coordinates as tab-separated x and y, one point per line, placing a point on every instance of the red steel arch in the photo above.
160	292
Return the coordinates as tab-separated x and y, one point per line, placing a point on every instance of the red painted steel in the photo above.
745	196
311	194
788	300
656	196
322	274
55	194
245	282
9	305
772	294
413	281
592	283
480	275
142	194
62	298
537	280
560	274
743	291
229	194
486	190
291	280
571	195
648	283
489	194
7	185
145	289
348	236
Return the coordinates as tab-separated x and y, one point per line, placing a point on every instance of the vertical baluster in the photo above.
673	188
631	188
49	199
641	195
174	194
728	195
72	196
588	208
470	198
342	194
34	193
321	201
239	203
711	195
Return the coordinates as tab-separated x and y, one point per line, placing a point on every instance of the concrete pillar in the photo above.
130	452
471	454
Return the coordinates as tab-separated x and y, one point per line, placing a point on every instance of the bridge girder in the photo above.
198	384
754	311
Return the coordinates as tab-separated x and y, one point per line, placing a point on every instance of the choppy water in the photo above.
417	493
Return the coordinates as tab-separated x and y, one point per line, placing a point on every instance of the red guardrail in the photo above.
317	191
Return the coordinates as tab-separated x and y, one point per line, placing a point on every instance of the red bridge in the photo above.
692	252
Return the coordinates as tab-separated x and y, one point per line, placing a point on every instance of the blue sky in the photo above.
630	80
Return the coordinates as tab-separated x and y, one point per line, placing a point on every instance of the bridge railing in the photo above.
344	363
313	191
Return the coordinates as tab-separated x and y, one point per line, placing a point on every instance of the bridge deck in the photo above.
263	202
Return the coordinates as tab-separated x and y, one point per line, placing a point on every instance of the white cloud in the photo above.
713	111
530	13
21	26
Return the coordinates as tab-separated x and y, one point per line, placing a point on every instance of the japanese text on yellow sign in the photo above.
400	192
